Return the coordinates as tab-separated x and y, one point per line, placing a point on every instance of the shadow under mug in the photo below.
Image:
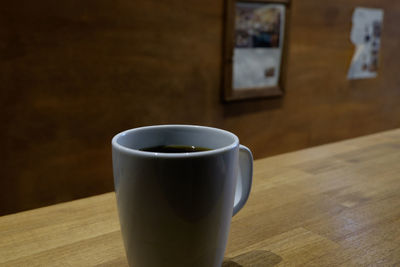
175	209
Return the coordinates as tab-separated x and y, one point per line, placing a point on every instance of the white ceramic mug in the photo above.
175	209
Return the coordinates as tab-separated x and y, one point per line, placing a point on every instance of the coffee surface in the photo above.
174	149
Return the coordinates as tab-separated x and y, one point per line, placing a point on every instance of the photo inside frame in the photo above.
258	30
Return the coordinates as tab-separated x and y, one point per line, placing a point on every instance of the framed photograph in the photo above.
254	48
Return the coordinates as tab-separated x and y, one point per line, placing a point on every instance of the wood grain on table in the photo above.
332	205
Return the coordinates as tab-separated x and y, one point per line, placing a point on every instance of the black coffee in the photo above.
174	149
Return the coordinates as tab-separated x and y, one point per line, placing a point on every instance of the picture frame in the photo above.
255	45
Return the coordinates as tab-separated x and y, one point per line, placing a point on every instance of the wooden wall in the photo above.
74	73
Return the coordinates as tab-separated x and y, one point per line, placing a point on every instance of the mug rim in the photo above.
138	152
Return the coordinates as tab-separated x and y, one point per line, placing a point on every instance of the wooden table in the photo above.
332	205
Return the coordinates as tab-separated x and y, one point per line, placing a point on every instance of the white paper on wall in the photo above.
366	36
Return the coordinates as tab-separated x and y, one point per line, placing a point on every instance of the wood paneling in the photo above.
74	73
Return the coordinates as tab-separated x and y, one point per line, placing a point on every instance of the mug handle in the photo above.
244	179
